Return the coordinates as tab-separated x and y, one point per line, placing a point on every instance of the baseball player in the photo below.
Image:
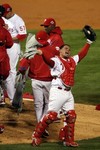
39	73
4	63
18	33
55	37
5	42
54	32
63	70
9	88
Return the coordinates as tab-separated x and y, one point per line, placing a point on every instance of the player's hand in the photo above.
39	52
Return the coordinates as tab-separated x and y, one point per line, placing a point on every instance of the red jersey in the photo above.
5	42
55	37
38	69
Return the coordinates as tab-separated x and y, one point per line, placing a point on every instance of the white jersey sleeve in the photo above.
57	69
56	72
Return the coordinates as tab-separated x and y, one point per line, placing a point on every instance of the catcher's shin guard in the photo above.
62	134
36	136
67	132
41	126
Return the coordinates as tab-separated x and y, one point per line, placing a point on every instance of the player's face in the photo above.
48	29
8	15
65	51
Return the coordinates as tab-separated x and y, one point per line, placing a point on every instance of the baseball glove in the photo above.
89	33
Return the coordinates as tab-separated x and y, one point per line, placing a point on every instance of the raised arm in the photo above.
83	51
91	36
46	57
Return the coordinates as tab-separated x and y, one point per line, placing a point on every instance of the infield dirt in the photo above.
19	128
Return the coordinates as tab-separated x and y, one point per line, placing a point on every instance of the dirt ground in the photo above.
69	14
19	127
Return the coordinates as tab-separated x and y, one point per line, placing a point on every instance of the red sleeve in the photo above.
47	58
56	40
83	51
21	37
23	65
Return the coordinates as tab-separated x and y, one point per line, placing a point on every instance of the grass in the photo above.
90	144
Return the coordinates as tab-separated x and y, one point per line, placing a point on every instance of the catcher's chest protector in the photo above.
69	70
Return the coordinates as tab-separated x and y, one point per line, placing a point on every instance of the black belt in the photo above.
66	89
54	77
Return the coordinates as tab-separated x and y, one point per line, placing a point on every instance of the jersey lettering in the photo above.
22	28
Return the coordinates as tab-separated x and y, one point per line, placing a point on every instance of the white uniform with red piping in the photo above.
16	26
58	95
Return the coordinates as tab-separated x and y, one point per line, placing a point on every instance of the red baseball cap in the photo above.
42	37
7	7
48	22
